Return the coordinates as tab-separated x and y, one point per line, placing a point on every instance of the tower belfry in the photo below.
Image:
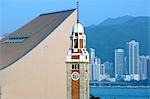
77	63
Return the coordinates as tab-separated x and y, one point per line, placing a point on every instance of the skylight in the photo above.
15	39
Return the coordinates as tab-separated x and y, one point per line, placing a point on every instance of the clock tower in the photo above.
77	64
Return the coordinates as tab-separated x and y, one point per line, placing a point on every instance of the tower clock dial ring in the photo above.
75	76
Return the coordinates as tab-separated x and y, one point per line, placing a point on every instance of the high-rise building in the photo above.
148	68
109	68
92	56
143	67
127	59
95	63
119	63
102	69
134	60
126	68
96	69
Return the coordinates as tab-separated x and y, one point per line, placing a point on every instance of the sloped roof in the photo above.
33	32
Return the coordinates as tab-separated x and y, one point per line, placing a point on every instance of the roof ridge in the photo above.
58	12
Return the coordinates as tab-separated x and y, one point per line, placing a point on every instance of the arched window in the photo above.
81	43
75	43
76	34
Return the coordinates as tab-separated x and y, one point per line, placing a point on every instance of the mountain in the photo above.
115	33
118	20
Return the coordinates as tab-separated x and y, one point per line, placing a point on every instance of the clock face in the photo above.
75	76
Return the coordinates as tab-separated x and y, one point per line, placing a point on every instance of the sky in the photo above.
16	13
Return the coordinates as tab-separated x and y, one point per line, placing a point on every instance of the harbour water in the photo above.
120	93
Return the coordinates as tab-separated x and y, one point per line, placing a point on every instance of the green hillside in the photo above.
107	37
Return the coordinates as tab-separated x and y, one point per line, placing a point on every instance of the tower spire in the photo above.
77	11
77	63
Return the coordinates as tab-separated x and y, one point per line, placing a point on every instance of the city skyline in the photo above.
128	65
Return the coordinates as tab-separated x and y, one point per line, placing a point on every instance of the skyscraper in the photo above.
96	69
148	68
126	67
143	67
102	69
92	56
109	68
119	63
134	60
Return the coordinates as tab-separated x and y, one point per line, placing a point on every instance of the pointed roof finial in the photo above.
77	11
